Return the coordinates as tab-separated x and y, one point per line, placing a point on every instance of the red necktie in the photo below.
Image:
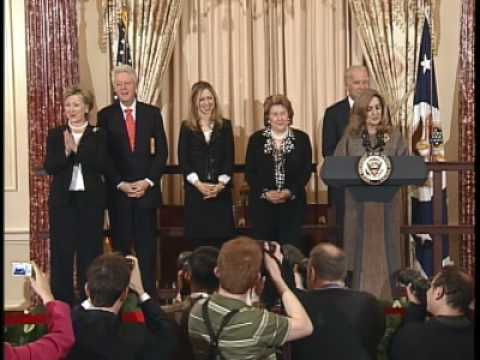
130	128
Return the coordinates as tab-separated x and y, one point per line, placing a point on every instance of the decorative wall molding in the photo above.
10	114
16	235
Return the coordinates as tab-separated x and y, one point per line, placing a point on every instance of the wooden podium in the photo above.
373	218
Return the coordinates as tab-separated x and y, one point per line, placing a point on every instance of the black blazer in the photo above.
335	121
347	324
141	163
92	155
101	335
259	167
215	157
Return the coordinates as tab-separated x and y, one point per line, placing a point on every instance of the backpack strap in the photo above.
213	350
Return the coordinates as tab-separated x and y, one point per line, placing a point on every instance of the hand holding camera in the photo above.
40	283
136	284
273	259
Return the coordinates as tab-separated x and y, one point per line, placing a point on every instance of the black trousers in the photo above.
280	222
73	230
210	241
134	225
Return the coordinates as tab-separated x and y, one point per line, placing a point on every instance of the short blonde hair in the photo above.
87	96
124	69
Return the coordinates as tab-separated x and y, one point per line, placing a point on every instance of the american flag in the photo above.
427	141
123	49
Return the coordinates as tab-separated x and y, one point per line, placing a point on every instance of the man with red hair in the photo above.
227	325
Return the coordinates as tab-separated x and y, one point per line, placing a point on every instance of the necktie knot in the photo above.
128	111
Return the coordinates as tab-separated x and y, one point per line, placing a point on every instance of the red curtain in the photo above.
467	130
52	65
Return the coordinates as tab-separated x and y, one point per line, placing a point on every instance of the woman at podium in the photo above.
372	262
206	156
277	168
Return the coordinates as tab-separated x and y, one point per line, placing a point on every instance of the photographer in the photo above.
98	330
227	317
447	334
57	343
347	324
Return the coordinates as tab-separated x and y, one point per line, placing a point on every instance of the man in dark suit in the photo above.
138	148
99	332
347	324
335	121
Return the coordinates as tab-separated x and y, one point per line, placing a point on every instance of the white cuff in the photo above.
192	178
149	181
224	179
120	184
144	297
86	304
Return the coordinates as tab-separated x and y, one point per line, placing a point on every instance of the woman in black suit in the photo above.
277	168
206	156
77	159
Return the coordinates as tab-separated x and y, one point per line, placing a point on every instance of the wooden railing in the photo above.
437	229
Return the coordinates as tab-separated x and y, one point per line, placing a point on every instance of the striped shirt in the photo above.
252	333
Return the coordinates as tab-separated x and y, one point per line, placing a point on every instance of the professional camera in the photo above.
182	261
419	284
295	257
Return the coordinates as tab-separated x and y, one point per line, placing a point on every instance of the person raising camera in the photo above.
448	333
59	340
227	316
99	333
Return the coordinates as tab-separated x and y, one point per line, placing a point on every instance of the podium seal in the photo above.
374	169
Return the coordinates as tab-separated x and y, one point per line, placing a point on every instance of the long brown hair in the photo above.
358	117
194	117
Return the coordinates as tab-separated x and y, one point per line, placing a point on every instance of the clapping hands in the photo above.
69	142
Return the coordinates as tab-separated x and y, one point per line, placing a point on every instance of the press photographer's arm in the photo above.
300	323
59	340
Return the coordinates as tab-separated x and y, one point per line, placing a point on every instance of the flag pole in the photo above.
124	19
430	126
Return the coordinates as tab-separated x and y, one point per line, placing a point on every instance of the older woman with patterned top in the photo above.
277	168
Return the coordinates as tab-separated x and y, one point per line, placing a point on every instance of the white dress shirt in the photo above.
192	178
77	184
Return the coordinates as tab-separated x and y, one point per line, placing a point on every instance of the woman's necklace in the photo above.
78	128
368	145
207	125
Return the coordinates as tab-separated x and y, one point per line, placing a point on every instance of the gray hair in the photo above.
124	69
351	69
